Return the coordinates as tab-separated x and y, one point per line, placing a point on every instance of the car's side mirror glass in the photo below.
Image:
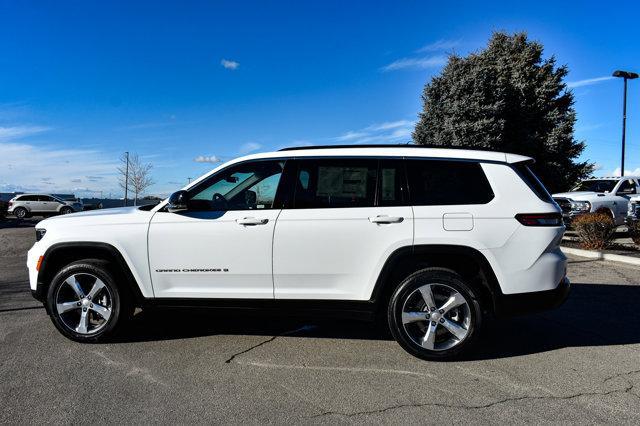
178	201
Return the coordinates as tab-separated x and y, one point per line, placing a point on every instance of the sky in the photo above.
188	84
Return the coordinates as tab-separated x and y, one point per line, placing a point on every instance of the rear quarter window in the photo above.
447	182
532	181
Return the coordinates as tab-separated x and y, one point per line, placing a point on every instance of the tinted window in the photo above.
595	185
532	181
392	187
246	186
28	198
335	183
45	198
436	182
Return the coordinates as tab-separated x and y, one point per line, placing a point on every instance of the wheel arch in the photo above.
61	254
467	261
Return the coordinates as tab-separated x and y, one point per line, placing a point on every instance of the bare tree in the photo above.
139	176
124	176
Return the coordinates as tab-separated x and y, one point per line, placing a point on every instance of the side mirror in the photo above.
178	201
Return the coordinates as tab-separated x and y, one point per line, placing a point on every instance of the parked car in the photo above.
609	195
26	205
430	240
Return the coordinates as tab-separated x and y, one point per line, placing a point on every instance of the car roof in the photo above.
391	151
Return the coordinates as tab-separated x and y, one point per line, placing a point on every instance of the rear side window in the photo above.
28	198
447	182
532	181
335	183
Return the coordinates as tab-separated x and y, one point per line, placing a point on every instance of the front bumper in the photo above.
528	303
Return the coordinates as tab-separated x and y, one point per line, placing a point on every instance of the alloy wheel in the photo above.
84	303
436	317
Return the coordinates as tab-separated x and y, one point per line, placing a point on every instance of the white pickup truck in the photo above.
608	194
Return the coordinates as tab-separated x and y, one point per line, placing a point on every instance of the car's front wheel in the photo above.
66	210
85	303
434	314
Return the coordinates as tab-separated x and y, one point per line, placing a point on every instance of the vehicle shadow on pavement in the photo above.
594	315
17	223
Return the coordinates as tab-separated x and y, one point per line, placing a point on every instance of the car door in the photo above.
47	204
346	216
30	202
626	190
221	246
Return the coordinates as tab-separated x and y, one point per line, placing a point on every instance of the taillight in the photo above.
10	203
540	219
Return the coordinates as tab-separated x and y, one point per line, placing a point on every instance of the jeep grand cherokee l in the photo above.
431	240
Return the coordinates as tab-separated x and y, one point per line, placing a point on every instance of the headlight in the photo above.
580	206
40	233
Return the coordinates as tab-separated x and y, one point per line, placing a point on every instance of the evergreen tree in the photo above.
506	98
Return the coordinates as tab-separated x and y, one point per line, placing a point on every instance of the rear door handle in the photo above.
385	219
251	221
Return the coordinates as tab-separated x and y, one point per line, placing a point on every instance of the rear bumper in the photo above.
528	303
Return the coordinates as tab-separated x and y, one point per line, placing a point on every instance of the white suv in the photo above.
26	205
430	240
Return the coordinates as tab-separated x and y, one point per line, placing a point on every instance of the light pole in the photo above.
626	75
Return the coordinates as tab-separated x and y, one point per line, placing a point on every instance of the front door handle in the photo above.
251	221
385	219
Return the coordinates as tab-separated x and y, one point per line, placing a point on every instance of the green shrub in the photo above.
595	230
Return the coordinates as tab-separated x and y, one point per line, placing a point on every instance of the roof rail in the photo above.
399	145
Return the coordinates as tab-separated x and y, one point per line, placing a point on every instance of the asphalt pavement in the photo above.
578	364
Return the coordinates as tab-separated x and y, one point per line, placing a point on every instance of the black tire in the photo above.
120	303
66	210
20	212
444	280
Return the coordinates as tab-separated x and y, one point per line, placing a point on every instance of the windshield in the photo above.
601	185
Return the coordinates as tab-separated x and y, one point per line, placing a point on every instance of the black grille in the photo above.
564	204
635	209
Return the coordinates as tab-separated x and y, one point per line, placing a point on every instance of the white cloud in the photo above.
391	125
388	132
207	159
439	46
30	167
627	172
351	136
230	65
417	63
17	132
588	82
249	147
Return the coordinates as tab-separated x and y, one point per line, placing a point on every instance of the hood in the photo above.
575	194
119	213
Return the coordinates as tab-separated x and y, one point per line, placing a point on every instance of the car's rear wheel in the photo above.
434	314
20	212
85	303
66	210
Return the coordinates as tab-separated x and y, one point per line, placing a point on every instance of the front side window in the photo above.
445	182
627	187
335	183
247	186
